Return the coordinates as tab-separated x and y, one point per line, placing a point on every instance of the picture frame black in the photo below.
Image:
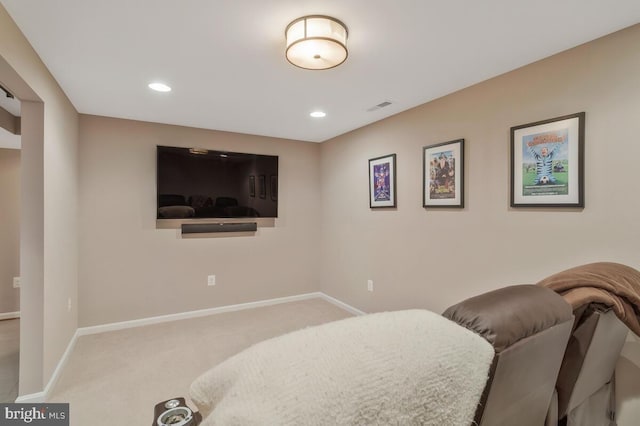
262	186
252	186
274	188
547	162
443	175
382	182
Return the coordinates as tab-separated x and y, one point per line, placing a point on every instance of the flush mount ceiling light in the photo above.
159	87
316	42
318	114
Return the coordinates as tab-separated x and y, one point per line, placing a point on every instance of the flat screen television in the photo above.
201	183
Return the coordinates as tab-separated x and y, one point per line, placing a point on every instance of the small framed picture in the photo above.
252	186
382	181
547	163
443	175
274	188
262	186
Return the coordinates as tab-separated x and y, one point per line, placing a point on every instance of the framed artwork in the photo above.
274	188
252	186
547	163
443	175
382	181
262	186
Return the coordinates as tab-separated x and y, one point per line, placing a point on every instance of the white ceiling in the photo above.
225	58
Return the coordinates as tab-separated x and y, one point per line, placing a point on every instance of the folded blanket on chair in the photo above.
610	284
394	368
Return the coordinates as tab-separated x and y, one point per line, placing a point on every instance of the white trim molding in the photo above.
341	304
32	398
83	331
193	314
61	364
9	315
44	395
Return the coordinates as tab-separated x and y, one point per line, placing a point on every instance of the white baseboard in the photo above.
192	314
82	331
61	364
341	304
32	398
9	315
44	395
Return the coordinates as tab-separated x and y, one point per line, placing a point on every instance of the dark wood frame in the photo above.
392	182
458	175
574	161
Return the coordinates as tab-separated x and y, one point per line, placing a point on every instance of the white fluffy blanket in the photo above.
394	368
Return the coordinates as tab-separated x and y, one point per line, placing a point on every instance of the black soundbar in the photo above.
203	228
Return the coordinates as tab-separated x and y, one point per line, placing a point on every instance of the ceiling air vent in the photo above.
380	105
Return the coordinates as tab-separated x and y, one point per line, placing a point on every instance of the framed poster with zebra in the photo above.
547	163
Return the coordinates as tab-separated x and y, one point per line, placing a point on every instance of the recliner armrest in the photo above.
509	314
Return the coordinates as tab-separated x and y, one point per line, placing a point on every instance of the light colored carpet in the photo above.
123	374
9	359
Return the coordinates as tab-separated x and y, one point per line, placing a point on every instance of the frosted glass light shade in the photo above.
316	42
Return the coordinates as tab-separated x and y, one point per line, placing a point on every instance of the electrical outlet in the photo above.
211	280
16	282
370	285
69	305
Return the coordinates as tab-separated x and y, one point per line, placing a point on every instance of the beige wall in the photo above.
434	258
129	269
48	240
9	229
326	236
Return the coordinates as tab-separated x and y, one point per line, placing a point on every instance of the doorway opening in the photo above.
10	172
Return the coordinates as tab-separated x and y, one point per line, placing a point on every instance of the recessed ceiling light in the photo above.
159	87
318	114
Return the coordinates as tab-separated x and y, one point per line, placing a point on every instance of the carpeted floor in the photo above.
123	374
9	359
